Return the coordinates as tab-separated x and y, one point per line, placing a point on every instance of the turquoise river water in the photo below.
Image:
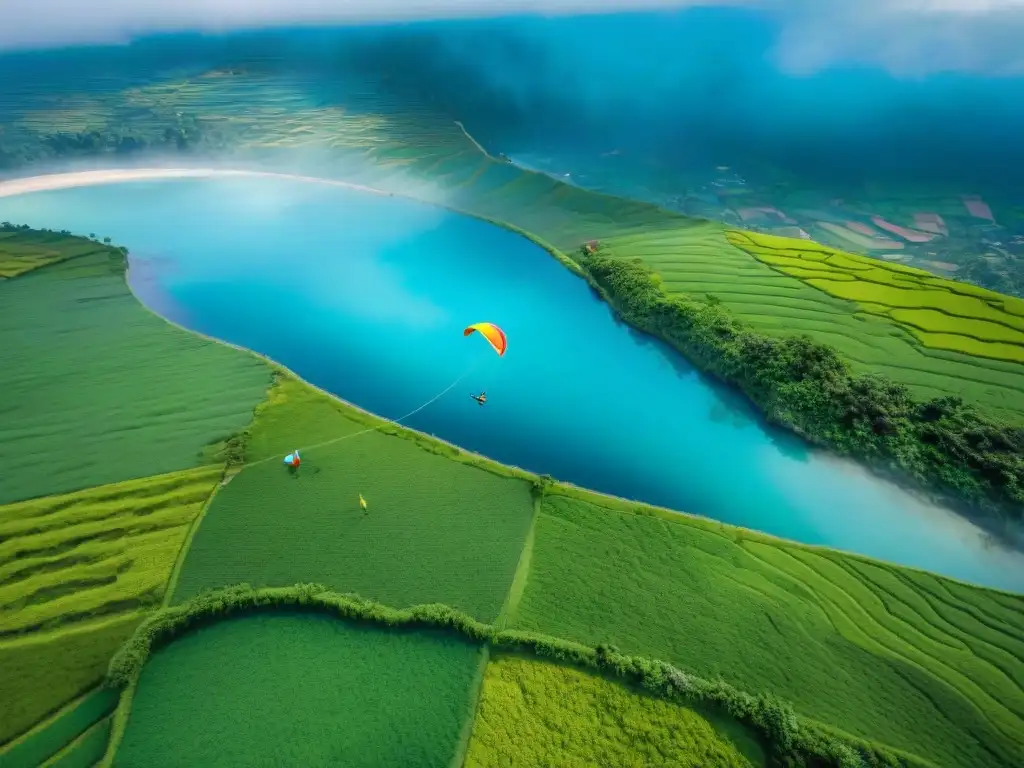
367	296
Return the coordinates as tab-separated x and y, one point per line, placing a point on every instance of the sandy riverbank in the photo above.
52	181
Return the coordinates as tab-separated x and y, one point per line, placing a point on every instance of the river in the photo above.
367	297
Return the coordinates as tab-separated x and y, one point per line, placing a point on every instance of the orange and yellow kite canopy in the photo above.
494	335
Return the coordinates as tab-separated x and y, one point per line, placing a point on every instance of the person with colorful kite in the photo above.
489	331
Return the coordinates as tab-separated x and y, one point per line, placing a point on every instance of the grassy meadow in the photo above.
44	671
301	690
98	552
535	713
436	530
900	657
96	390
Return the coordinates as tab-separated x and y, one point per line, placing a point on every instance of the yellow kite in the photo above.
494	335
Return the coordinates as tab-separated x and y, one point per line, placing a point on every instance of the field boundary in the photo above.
179	561
477	687
515	592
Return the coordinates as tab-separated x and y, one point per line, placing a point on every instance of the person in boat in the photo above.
481	398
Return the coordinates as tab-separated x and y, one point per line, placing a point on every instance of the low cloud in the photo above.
33	23
907	37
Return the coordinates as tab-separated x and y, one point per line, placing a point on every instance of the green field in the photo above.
86	750
301	690
62	732
701	262
97	390
43	672
940	313
901	657
23	251
96	552
101	392
535	713
436	530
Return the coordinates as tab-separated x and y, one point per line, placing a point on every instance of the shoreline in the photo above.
564	487
55	181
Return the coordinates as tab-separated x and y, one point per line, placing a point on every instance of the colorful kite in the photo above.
494	335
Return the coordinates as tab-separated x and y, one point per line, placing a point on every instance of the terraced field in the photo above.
941	314
871	649
97	402
76	735
86	750
96	552
904	658
308	690
77	573
701	262
97	391
44	671
436	530
535	713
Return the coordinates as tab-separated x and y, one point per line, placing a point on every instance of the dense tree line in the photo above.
944	444
791	741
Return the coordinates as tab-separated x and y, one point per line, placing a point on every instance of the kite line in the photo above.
384	422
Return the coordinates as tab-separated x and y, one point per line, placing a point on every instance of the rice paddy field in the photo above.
870	336
873	650
85	751
98	552
72	731
131	422
435	530
939	313
535	713
97	391
43	672
301	690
